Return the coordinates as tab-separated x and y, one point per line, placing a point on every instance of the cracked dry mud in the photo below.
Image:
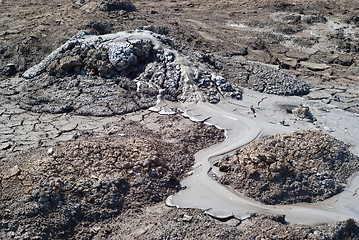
47	193
54	123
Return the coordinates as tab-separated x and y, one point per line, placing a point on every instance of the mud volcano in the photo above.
124	72
304	166
116	74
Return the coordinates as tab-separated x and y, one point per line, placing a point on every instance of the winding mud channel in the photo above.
241	127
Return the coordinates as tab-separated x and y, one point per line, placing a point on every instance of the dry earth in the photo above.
116	196
47	192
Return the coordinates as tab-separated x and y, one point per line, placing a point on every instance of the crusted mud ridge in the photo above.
304	166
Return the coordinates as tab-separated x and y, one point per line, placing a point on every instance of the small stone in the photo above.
288	63
5	146
315	66
50	151
240	51
11	172
10	70
187	218
303	112
117	5
234	222
285	123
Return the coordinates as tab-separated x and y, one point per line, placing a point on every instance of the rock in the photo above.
116	5
5	146
187	218
303	112
101	27
288	63
233	222
314	66
344	60
10	70
11	172
315	19
50	151
299	55
240	51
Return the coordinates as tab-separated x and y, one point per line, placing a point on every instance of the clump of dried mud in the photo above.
305	166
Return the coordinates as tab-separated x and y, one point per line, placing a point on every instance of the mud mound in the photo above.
263	78
269	80
93	180
124	72
141	57
305	166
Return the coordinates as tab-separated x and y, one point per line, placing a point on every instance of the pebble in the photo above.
50	151
187	218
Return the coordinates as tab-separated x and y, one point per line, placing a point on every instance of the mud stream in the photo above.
241	127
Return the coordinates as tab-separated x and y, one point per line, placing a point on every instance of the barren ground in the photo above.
44	194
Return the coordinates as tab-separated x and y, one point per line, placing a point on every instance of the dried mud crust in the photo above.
305	166
92	180
160	222
84	95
